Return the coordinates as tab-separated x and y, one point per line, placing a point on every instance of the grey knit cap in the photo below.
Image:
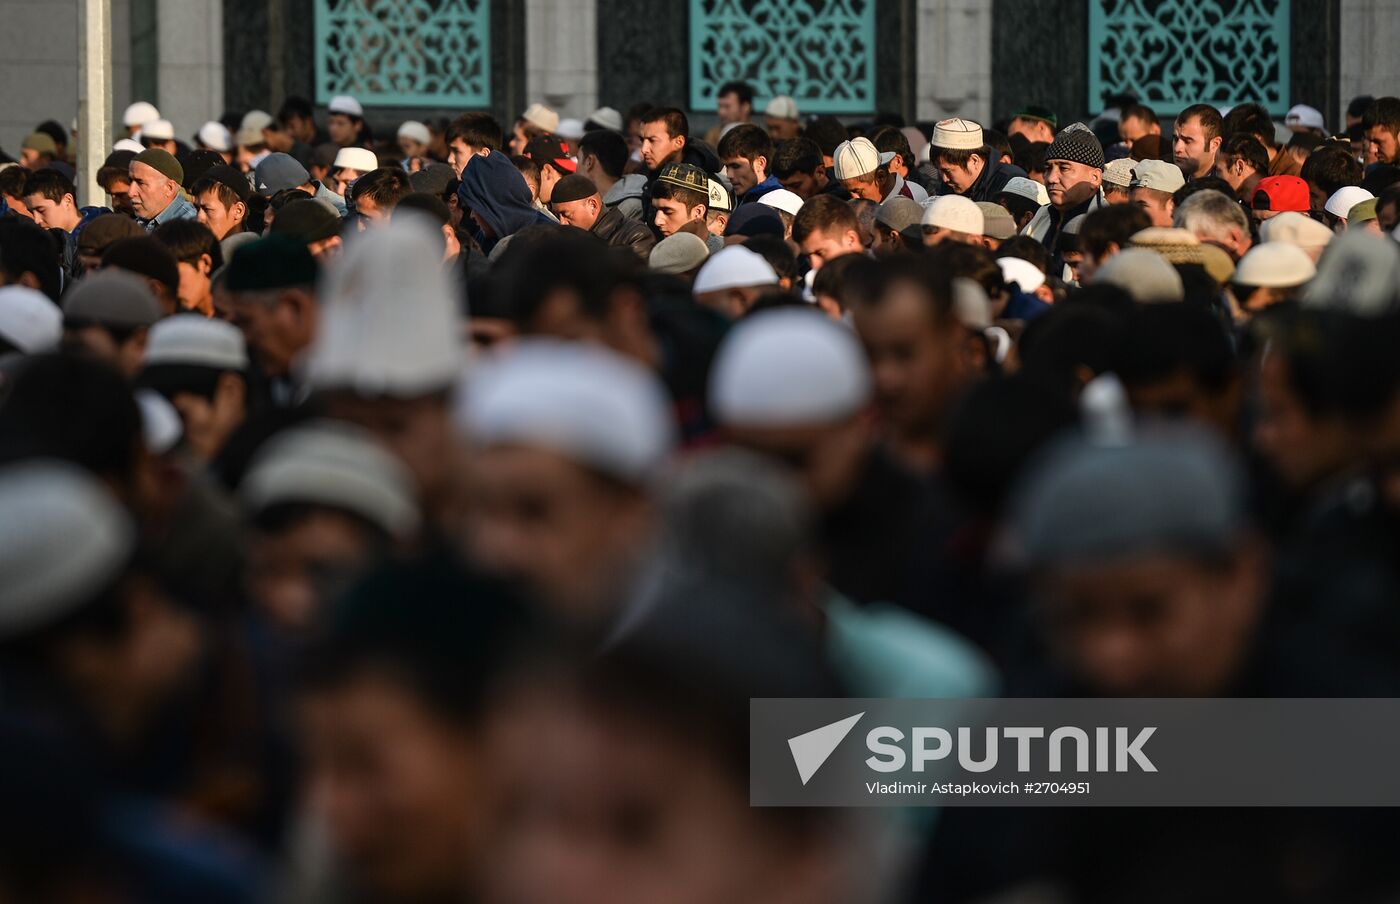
1076	142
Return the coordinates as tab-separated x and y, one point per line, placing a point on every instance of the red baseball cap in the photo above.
1280	193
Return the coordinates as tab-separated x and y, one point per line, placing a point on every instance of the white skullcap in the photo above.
29	320
541	117
415	131
733	267
1345	198
1143	274
570	129
954	212
607	117
957	135
337	466
587	403
1029	189
196	340
360	159
782	199
161	427
1296	229
215	136
63	538
389	322
128	144
858	157
1021	272
781	107
344	103
1304	117
788	367
138	114
1274	265
158	130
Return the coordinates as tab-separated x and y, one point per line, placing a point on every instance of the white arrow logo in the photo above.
812	749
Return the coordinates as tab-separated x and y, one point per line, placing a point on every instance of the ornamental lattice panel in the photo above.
404	52
819	52
1173	53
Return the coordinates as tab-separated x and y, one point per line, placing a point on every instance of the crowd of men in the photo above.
412	519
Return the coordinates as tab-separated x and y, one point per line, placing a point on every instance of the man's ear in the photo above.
205	265
761	164
239	210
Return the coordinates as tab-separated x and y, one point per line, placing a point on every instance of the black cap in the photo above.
306	219
573	187
119	159
275	262
232	178
200	162
432	178
553	150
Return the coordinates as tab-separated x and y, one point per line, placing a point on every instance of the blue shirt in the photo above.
178	209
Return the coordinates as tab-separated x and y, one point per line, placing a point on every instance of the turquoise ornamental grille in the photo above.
404	52
1173	53
819	52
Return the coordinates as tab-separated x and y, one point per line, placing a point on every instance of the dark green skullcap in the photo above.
162	162
1035	111
306	219
573	187
275	262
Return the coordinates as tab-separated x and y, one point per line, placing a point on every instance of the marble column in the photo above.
1370	32
190	70
954	59
561	55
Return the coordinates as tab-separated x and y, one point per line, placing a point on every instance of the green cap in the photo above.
40	142
1361	212
685	175
275	262
1035	111
162	162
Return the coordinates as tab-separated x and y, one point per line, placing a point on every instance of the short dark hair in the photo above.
25	248
385	186
677	126
1139	111
476	129
776	251
828	133
1111	225
795	155
1027	249
51	184
1384	112
13	180
1330	169
1249	119
743	89
297	106
1164	339
887	140
226	195
998	144
824	214
54	130
428	204
610	149
528	168
1381	178
189	240
955	156
565	258
1208	115
1244	146
747	141
690	197
1031	156
926	271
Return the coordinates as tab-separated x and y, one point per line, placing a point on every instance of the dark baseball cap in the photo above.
552	149
307	219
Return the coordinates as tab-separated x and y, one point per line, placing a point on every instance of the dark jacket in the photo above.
620	232
992	180
495	190
761	189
